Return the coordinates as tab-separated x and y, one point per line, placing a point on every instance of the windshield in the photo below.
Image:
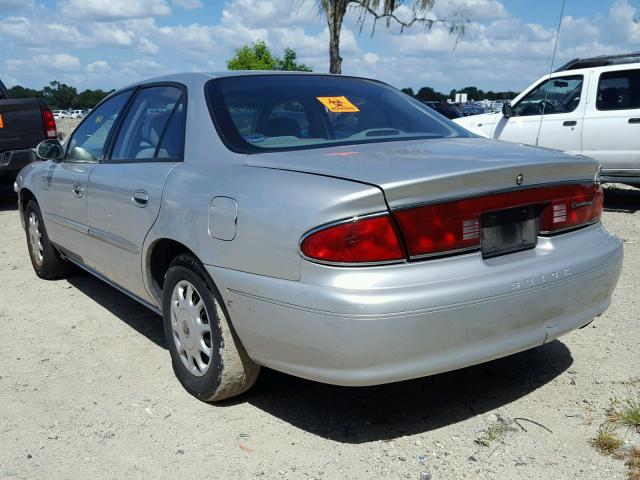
291	112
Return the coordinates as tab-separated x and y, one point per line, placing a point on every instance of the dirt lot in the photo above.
87	392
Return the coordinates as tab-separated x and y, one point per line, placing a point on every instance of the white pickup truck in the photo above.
589	106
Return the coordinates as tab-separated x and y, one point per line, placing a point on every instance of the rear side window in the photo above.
143	135
292	112
619	90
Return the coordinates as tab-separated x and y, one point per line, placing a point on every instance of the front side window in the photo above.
556	95
142	136
89	141
619	90
291	112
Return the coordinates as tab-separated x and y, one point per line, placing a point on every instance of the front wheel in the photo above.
207	356
46	260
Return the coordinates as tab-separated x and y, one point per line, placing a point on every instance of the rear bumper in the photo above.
385	324
627	176
12	161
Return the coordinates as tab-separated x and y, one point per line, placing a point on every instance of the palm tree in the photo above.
335	10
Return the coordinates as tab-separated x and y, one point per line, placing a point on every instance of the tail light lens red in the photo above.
453	226
49	124
362	240
449	227
577	205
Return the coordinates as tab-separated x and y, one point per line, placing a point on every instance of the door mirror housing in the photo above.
50	150
507	110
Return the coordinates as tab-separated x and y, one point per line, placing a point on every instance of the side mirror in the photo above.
50	150
507	110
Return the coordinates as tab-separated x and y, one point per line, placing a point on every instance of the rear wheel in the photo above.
207	356
46	260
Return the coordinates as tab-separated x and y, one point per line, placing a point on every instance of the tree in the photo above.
89	98
59	95
289	63
408	91
335	10
18	91
428	94
259	57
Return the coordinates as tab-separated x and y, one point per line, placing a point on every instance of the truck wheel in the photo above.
207	356
46	260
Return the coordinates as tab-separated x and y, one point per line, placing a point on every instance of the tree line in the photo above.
428	94
60	96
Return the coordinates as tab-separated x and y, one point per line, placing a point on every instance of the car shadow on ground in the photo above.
8	199
626	200
365	414
138	317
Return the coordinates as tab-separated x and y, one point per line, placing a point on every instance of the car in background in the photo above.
496	105
76	113
473	109
589	106
443	108
57	114
329	227
24	123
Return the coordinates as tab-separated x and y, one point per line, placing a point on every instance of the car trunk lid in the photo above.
422	171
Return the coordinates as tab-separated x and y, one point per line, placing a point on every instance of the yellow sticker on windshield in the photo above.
338	104
1	124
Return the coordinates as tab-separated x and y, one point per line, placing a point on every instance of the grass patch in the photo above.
630	415
633	464
606	440
495	432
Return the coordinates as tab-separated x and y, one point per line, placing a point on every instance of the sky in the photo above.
111	43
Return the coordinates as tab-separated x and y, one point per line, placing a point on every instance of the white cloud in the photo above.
106	41
622	24
102	10
58	61
147	46
371	58
99	66
188	4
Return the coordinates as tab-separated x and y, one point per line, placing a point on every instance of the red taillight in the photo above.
454	226
49	124
578	205
362	240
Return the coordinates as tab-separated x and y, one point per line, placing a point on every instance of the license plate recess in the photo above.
508	231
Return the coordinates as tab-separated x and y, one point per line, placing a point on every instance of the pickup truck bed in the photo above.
22	127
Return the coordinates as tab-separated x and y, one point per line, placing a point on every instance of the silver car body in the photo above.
243	216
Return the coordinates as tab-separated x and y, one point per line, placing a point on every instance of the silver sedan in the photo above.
325	226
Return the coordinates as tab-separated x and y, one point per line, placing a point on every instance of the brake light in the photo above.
362	240
450	227
580	205
49	124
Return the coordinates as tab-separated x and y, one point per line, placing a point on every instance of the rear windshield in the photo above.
260	113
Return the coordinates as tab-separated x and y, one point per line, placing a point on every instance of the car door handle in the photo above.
569	123
634	120
78	190
140	198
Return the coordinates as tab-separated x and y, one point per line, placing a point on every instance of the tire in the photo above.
197	326
45	259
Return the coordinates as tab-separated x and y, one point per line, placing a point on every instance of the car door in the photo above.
125	189
64	184
550	115
612	122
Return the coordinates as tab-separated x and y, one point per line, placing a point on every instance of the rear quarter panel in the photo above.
275	208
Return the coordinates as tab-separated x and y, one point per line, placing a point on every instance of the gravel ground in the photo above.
87	391
66	126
